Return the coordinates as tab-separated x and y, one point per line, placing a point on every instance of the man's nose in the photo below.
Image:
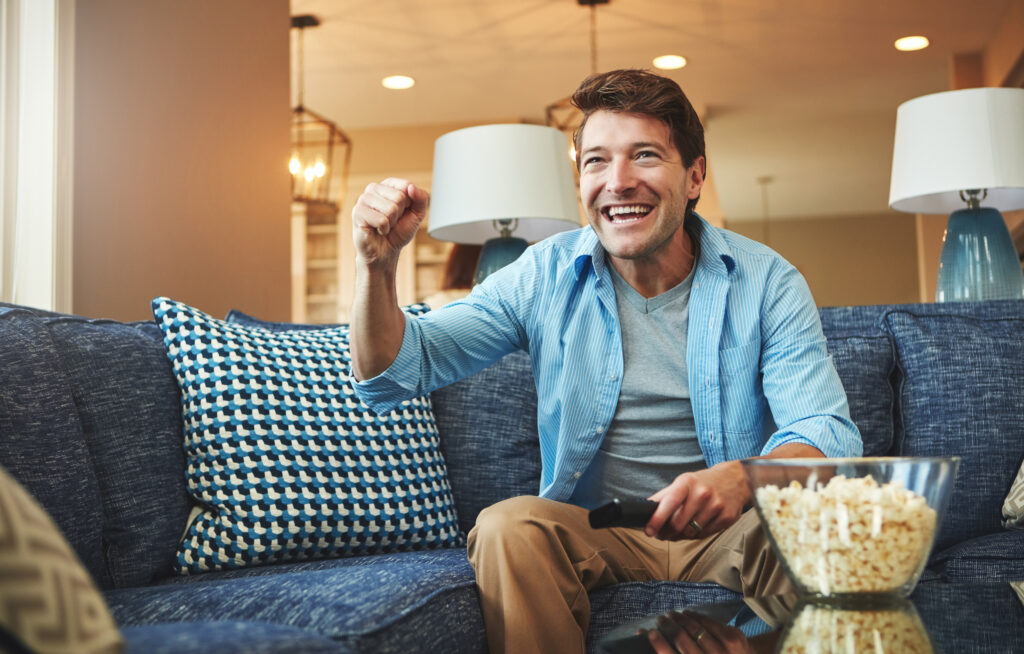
621	177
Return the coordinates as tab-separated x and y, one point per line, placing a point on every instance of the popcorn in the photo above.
826	630
849	536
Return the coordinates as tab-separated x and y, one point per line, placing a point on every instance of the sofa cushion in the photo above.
995	557
285	461
48	601
225	637
487	421
422	601
130	411
961	394
41	439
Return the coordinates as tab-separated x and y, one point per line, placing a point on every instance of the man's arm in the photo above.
384	221
713	498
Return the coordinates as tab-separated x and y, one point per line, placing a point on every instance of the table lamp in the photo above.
962	153
502	186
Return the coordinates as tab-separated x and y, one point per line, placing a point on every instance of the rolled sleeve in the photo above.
399	382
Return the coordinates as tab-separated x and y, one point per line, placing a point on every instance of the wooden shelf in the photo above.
321	264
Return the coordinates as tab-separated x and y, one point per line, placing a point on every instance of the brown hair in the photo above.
460	266
642	92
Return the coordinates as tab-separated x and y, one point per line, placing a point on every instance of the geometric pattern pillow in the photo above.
1013	505
284	461
48	602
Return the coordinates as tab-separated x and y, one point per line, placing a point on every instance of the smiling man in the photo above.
665	350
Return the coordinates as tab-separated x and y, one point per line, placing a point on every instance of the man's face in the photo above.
634	185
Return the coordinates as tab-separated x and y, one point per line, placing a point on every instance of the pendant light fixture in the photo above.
321	151
561	114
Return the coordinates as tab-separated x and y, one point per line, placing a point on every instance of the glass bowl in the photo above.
848	528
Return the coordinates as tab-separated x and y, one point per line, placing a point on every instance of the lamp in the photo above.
316	142
963	152
493	181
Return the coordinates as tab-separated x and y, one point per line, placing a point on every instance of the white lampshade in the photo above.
502	172
958	140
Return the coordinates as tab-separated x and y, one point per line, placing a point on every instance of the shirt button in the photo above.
577	475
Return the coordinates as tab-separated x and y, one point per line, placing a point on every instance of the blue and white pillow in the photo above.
284	461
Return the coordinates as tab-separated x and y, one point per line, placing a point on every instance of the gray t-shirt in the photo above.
652	438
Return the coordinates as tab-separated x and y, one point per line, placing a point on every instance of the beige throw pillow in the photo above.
48	602
1013	506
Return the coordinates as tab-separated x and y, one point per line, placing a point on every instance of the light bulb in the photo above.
911	43
295	166
309	173
319	169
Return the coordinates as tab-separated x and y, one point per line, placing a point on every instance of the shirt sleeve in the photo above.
457	340
800	381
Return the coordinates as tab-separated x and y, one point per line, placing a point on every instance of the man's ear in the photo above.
695	173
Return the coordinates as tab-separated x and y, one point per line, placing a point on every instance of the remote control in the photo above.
623	513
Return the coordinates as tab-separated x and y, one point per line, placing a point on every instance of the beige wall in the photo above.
181	146
851	260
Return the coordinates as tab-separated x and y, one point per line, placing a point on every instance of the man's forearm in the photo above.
377	323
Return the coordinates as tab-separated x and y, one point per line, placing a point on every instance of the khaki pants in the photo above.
535	560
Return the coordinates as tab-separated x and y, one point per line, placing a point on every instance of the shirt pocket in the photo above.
740	388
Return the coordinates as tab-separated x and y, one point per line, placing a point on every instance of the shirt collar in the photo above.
713	254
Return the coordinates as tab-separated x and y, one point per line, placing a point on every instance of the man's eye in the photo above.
646	154
592	160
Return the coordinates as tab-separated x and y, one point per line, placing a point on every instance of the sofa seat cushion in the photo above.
995	557
409	601
962	394
229	637
42	444
130	411
285	462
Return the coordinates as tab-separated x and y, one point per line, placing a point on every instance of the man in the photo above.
664	350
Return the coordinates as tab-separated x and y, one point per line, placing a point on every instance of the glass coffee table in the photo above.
938	617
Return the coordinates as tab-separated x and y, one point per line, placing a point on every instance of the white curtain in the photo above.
36	114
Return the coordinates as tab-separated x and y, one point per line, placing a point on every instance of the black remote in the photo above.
622	513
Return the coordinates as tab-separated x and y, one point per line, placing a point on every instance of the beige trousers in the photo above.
535	560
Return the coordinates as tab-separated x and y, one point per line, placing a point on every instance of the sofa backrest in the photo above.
90	422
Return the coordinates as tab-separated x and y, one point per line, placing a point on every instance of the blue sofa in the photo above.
90	424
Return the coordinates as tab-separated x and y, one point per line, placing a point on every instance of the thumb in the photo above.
420	200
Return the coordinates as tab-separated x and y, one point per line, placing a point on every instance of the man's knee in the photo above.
520	519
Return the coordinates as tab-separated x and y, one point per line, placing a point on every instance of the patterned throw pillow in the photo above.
1013	505
284	460
48	602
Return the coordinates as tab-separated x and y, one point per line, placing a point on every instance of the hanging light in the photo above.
562	114
321	151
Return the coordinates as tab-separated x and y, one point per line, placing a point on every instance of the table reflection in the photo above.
936	618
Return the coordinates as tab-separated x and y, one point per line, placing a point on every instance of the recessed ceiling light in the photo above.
398	82
669	62
911	43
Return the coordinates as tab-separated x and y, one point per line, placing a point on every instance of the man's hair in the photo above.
634	91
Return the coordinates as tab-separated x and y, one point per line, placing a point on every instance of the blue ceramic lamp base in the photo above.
978	260
496	254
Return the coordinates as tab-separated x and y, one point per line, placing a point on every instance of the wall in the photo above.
847	260
181	147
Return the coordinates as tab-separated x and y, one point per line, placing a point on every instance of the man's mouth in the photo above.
626	213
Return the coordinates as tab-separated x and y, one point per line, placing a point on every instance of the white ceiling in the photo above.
803	92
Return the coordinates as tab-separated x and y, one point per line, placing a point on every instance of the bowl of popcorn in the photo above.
846	528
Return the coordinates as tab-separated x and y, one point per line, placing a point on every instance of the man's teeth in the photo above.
628	213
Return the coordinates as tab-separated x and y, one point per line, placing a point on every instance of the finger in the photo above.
671	500
701	524
420	199
706	632
658	642
674	631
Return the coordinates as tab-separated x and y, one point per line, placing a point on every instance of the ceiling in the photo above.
799	97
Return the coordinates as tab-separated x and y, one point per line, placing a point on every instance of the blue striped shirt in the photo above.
759	372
